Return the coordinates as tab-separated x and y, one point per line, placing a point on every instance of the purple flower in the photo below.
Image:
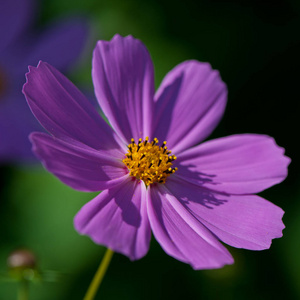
20	45
192	198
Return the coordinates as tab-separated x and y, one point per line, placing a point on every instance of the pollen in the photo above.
149	161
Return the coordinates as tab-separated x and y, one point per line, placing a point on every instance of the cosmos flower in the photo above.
60	44
192	198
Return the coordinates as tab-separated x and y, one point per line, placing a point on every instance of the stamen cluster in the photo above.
148	161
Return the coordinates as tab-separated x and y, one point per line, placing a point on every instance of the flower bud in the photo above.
21	258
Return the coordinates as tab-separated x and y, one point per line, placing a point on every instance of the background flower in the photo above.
21	45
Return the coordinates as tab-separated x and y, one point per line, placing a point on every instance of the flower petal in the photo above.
242	221
181	235
117	218
124	85
14	18
59	45
64	111
189	105
80	167
237	164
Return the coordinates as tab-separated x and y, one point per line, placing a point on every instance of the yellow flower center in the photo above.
148	161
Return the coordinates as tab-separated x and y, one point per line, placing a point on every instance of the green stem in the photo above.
92	290
23	291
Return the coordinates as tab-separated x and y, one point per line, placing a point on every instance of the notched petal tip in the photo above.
31	72
285	160
279	151
217	265
33	138
118	38
276	233
205	67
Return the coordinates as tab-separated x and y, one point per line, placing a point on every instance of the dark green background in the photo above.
256	46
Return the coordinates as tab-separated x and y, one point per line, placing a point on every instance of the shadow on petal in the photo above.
130	212
204	197
170	95
190	171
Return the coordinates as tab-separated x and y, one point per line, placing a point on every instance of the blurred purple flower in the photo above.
20	45
208	199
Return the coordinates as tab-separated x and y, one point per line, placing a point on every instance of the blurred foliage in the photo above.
256	46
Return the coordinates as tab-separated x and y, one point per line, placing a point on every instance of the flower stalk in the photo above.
94	286
23	290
